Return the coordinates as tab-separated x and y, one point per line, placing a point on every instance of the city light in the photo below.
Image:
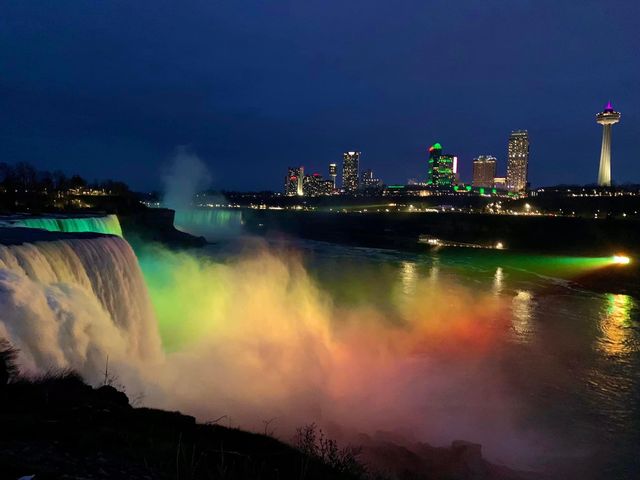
621	260
499	245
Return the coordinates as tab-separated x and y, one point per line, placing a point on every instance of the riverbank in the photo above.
402	230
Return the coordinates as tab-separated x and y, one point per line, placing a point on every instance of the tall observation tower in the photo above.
606	118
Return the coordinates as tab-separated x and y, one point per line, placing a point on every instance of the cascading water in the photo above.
107	224
72	303
211	223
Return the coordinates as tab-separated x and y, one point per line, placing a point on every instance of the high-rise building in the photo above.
518	161
293	182
484	171
442	168
350	168
606	118
333	173
369	182
315	185
500	183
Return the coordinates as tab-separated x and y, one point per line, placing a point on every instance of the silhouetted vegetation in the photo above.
312	442
24	188
8	363
55	426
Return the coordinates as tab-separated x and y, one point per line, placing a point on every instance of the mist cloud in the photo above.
255	337
185	176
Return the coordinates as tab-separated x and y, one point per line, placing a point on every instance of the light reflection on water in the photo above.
573	355
409	277
571	358
498	280
522	314
615	325
434	271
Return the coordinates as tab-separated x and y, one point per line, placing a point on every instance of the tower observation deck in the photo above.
606	118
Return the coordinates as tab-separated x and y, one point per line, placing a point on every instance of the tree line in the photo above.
25	177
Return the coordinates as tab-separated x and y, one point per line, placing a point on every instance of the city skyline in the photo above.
485	168
256	88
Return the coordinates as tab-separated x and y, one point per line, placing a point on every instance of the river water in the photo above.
566	362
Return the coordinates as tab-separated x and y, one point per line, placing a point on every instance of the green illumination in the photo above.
108	224
481	191
468	188
522	265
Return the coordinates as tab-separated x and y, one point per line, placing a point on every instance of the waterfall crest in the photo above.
71	303
107	224
211	223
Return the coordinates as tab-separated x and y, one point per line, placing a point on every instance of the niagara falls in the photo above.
319	240
430	347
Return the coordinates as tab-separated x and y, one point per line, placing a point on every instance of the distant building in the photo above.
518	161
606	118
293	182
484	171
315	185
369	183
333	173
350	170
500	182
442	168
415	181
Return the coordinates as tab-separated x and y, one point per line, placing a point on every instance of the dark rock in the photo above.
468	461
110	395
156	225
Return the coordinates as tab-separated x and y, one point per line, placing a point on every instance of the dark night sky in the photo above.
112	88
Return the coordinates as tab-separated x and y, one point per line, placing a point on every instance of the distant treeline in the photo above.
25	177
23	188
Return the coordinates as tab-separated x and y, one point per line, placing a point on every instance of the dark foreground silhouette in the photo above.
56	426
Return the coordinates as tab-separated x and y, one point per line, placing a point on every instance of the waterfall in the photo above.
211	223
108	224
71	303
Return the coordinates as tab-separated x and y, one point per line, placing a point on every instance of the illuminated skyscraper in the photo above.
484	171
333	173
314	185
442	168
500	183
350	167
518	161
606	118
293	182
